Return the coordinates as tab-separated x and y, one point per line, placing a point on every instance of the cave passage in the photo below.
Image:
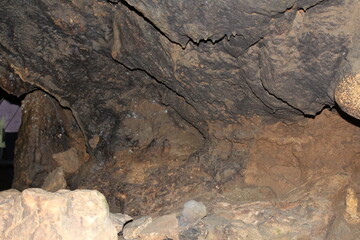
10	112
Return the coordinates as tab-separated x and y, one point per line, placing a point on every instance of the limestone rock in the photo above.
351	214
65	215
164	227
306	213
55	181
119	220
192	212
347	95
46	129
269	221
186	226
68	160
133	229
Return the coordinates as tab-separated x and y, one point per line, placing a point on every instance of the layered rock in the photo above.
307	213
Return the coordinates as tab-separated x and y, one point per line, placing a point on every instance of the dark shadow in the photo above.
347	117
10	98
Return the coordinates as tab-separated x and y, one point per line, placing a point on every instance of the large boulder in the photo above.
35	214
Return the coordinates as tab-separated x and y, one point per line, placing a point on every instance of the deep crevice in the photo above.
203	133
133	9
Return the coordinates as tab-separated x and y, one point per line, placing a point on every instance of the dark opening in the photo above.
10	114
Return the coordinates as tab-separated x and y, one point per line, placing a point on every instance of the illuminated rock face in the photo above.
348	95
141	99
37	214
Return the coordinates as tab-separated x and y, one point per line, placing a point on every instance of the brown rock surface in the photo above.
167	101
304	218
46	129
307	213
286	155
68	160
55	181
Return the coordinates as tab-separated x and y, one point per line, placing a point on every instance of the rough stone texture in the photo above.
55	181
193	211
307	213
159	97
68	160
348	95
119	220
133	229
161	228
298	151
351	213
46	129
170	226
294	67
154	103
36	214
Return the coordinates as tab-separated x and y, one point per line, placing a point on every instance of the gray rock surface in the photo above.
133	229
119	220
193	211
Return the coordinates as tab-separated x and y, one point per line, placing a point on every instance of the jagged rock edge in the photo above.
283	101
140	14
197	42
61	102
225	36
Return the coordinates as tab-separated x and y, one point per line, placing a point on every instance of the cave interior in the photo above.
240	105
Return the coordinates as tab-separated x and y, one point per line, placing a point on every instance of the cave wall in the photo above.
166	85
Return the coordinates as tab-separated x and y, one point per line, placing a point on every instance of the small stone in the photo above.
351	214
55	181
132	230
192	212
164	227
68	160
119	220
93	142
